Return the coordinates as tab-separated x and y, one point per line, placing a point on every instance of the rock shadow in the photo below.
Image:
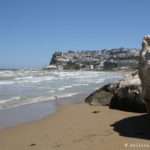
135	127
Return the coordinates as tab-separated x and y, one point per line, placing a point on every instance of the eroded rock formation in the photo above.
124	94
128	95
144	70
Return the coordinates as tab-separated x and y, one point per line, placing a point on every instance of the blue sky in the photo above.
31	30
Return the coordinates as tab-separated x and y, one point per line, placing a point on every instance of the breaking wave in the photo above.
22	87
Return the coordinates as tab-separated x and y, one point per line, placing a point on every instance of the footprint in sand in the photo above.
95	112
57	145
89	137
32	144
107	133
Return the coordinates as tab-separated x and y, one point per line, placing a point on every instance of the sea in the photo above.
28	94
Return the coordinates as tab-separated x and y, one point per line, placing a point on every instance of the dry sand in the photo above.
80	127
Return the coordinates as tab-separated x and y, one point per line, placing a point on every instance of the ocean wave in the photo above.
13	102
21	80
6	78
52	91
35	79
39	86
100	81
35	76
7	82
82	84
71	86
64	87
9	100
67	95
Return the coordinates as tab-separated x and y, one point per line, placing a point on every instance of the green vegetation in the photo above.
71	66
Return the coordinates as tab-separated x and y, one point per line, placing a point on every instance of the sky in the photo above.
31	30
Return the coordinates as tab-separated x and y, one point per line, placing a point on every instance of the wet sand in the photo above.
80	127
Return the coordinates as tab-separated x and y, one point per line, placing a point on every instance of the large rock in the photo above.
124	94
144	70
102	96
127	95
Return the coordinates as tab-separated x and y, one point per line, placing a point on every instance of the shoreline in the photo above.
77	126
35	111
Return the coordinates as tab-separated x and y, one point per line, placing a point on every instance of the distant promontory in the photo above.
106	59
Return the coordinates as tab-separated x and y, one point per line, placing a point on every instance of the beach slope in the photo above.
80	127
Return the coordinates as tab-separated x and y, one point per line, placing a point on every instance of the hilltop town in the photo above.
106	59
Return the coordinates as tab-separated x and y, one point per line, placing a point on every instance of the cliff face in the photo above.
144	70
128	95
54	58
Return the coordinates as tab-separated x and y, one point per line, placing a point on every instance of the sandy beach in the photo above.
82	127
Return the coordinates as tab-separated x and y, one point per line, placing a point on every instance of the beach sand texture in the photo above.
80	127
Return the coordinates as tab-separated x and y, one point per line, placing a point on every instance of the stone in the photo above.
101	96
128	95
144	70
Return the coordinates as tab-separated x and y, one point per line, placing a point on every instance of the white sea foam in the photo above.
6	82
5	103
100	80
32	79
67	95
64	87
61	89
52	91
82	84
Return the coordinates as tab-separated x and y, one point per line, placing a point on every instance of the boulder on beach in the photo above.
128	95
124	94
102	96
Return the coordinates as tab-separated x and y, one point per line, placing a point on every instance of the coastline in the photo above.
72	124
35	111
78	126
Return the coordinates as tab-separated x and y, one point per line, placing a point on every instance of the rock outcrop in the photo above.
128	95
102	96
124	94
144	70
104	59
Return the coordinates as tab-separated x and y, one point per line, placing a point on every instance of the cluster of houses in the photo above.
106	59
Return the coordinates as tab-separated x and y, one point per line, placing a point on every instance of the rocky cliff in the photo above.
106	59
144	70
